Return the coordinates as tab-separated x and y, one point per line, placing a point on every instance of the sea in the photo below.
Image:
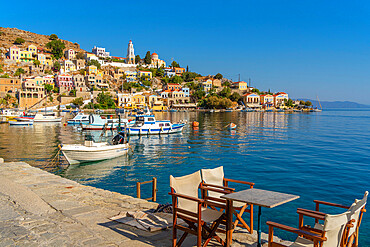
318	155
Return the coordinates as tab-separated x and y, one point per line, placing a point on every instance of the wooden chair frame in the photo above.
351	241
196	225
214	202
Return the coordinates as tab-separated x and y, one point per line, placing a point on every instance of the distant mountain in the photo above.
337	104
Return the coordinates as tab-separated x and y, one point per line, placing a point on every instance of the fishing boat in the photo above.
94	151
148	125
21	122
80	118
47	117
96	122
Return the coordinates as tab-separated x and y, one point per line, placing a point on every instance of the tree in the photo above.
56	90
199	94
187	68
289	103
19	71
148	58
176	79
72	93
94	62
57	47
160	72
105	101
80	55
36	62
78	101
308	103
48	88
53	37
19	41
225	92
189	76
56	66
226	84
4	76
235	97
137	59
174	64
255	90
218	76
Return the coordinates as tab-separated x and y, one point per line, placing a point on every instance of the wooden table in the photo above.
261	198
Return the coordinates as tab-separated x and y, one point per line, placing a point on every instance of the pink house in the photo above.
64	82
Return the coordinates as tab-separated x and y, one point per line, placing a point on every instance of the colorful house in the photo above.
48	80
251	100
131	76
68	66
70	54
64	82
241	85
156	62
92	69
179	70
207	85
280	98
186	91
15	53
172	86
32	49
146	74
26	56
9	86
267	99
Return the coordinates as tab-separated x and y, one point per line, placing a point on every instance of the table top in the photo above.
264	198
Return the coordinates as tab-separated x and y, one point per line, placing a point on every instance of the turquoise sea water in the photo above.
324	156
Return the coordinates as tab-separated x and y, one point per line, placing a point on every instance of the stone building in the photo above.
9	86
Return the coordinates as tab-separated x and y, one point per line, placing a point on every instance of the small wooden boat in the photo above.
23	122
95	151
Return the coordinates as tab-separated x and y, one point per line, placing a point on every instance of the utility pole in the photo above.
239	77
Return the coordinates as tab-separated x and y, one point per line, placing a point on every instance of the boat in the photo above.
21	122
297	110
95	151
10	113
247	110
49	117
80	118
173	110
231	126
148	125
96	122
317	109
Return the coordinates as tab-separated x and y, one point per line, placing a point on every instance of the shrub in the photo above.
19	41
53	37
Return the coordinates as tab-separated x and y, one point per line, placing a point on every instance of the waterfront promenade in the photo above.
38	208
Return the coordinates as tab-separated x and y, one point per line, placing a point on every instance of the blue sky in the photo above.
305	48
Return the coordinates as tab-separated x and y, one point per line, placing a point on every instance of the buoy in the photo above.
65	124
195	124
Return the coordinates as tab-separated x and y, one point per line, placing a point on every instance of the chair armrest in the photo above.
311	214
206	188
329	204
311	211
296	231
191	198
218	186
239	181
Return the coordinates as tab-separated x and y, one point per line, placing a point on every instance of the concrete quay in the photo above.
38	208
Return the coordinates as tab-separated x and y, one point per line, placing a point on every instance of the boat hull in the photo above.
176	128
76	154
21	122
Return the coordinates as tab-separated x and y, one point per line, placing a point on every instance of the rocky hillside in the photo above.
8	36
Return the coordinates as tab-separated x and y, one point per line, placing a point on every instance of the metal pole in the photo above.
259	227
154	189
138	190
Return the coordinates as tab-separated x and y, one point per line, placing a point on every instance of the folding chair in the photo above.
202	221
213	182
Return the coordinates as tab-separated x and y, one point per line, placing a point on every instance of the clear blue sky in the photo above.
305	48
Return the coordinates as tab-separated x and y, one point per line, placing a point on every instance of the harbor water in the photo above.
323	155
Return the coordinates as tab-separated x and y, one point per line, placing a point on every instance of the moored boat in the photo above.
95	151
21	122
80	118
96	122
50	117
148	125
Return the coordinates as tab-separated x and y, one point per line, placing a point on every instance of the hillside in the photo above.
8	35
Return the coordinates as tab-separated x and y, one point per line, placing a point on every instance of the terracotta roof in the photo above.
238	82
154	54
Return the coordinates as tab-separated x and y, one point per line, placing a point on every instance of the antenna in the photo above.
239	77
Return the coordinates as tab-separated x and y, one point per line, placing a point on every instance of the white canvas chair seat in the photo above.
302	242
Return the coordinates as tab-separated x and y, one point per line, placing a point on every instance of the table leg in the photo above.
229	221
259	227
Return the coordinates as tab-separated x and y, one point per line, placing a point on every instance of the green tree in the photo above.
19	71
187	68
78	101
199	94
235	97
4	76
226	84
36	62
176	79
218	76
160	72
302	102
48	88
148	58
308	103
19	41
105	101
289	103
189	76
165	80
53	37
137	59
174	64
56	66
72	93
94	62
80	55
225	92
56	90
1	33
57	47
255	90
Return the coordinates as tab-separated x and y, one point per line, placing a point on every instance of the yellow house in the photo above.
26	56
32	49
139	100
38	80
207	85
42	58
145	74
92	69
131	76
15	53
241	85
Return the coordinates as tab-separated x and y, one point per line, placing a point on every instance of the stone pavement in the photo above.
38	208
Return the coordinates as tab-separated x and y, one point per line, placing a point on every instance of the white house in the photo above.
100	52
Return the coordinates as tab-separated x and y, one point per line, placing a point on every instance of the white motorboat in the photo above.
80	118
50	117
21	122
95	151
96	122
147	125
10	113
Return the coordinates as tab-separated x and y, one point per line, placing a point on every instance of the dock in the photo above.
38	208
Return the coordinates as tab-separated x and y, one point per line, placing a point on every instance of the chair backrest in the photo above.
187	185
214	176
355	211
334	227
